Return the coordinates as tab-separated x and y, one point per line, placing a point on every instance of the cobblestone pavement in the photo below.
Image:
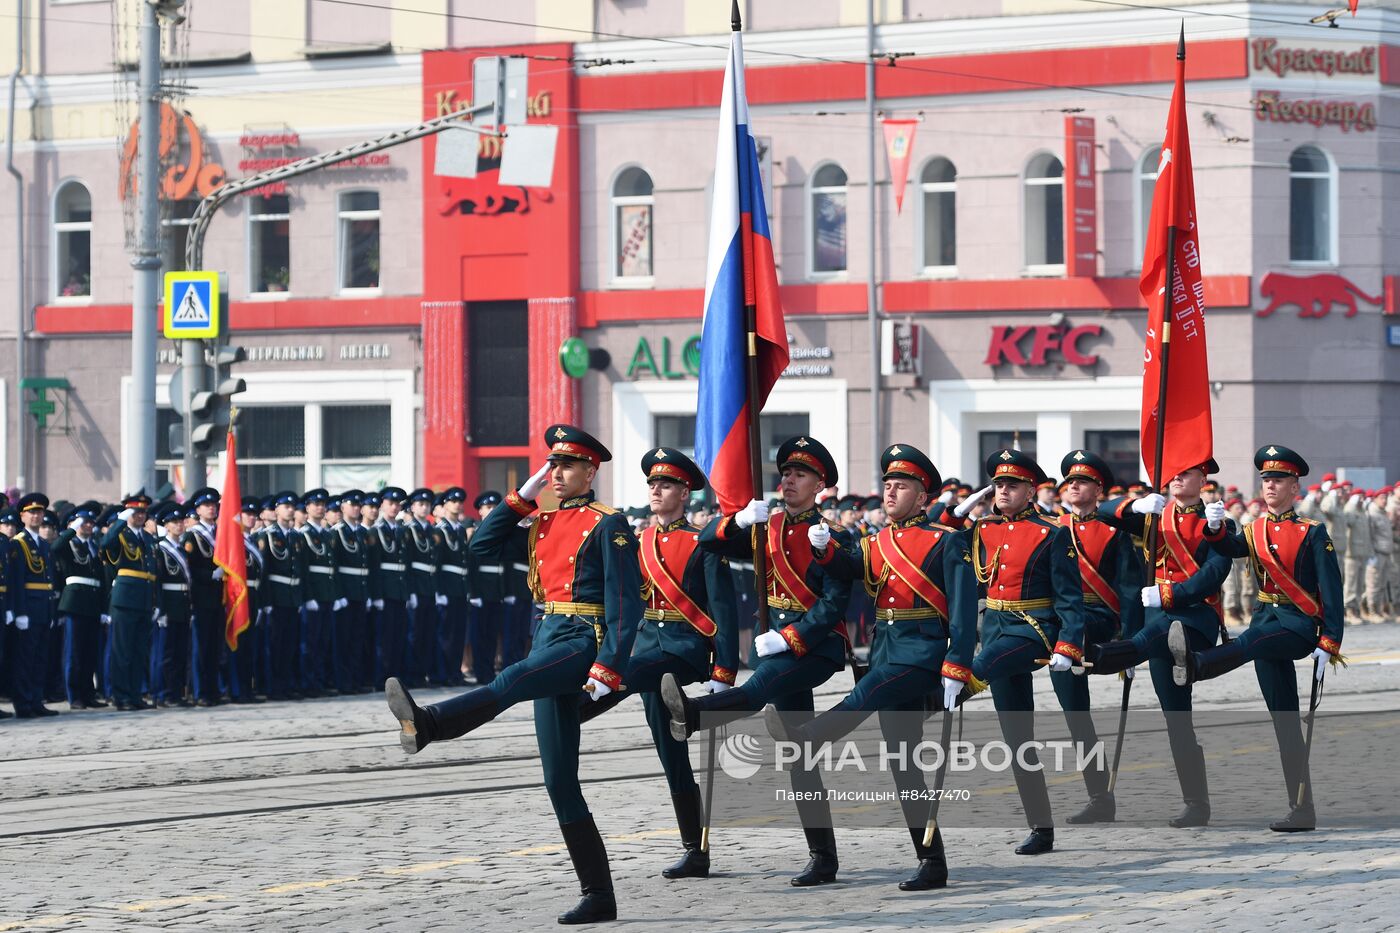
308	816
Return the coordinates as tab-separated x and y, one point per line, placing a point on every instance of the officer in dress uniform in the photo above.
30	587
82	604
1188	573
129	551
1299	613
488	617
420	553
9	520
246	677
915	581
583	567
317	574
806	642
350	555
281	548
1111	570
688	630
174	615
369	660
452	587
1028	570
389	564
206	596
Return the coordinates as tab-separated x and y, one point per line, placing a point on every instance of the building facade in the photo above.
406	326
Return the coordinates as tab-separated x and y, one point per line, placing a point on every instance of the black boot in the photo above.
1191	771
1110	657
684	716
590	860
419	725
1222	659
821	867
415	726
933	866
690	818
1301	815
784	728
1038	842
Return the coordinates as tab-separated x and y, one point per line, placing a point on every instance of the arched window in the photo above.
827	217
72	241
632	203
1045	215
358	240
940	227
1144	184
1312	206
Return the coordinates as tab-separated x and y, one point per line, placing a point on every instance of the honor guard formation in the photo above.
955	591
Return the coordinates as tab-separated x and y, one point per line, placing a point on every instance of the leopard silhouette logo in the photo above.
1313	295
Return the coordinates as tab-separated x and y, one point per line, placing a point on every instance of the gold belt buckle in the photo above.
889	615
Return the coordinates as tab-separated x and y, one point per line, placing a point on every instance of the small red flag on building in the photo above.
899	149
1176	431
229	554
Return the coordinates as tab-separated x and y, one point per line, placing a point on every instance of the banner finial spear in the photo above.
1181	43
735	22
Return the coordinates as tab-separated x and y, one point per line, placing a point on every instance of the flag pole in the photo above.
759	531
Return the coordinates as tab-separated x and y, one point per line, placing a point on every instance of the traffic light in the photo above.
211	408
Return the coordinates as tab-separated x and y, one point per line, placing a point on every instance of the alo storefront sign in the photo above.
645	361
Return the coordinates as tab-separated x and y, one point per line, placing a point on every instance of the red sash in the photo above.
1175	544
1088	572
782	568
911	573
1259	538
670	588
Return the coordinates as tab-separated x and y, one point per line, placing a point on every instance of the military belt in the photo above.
453	568
1092	599
253	584
492	568
317	568
138	574
1020	605
786	602
663	615
895	615
396	568
1277	599
523	568
285	581
4	588
83	581
574	609
354	571
38	586
175	587
426	568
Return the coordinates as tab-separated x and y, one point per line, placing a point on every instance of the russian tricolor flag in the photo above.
740	273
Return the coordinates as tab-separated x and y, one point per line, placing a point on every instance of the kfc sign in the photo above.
1008	344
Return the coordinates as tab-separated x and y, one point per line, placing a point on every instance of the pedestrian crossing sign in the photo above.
191	305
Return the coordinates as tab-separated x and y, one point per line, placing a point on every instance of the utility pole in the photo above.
871	289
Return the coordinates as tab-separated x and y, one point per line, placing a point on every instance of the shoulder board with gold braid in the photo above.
604	509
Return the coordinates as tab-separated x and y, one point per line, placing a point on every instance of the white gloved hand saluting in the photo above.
968	504
770	643
820	536
535	484
599	690
952	689
1152	597
125	515
947	496
1150	504
717	686
1060	662
752	514
1215	515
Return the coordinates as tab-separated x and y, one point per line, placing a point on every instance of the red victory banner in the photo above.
899	148
228	549
1176	431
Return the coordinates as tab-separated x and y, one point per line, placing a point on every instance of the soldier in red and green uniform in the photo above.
1299	612
584	570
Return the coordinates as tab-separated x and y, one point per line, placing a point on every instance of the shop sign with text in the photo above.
1008	344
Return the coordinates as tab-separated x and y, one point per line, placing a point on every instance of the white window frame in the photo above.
57	230
253	220
1051	269
810	215
615	277
386	459
1144	168
1333	232
920	220
344	217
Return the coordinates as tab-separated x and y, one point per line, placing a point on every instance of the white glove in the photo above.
1128	672
1150	504
951	691
22	623
947	496
1327	485
339	604
1152	597
717	686
441	600
218	574
968	504
509	600
535	484
77	523
599	690
162	621
1060	662
125	514
378	603
819	535
412	601
369	604
475	601
1215	515
105	619
1321	657
311	605
155	614
9	617
752	514
770	643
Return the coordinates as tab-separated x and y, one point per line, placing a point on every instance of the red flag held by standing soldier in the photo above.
1176	431
229	554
